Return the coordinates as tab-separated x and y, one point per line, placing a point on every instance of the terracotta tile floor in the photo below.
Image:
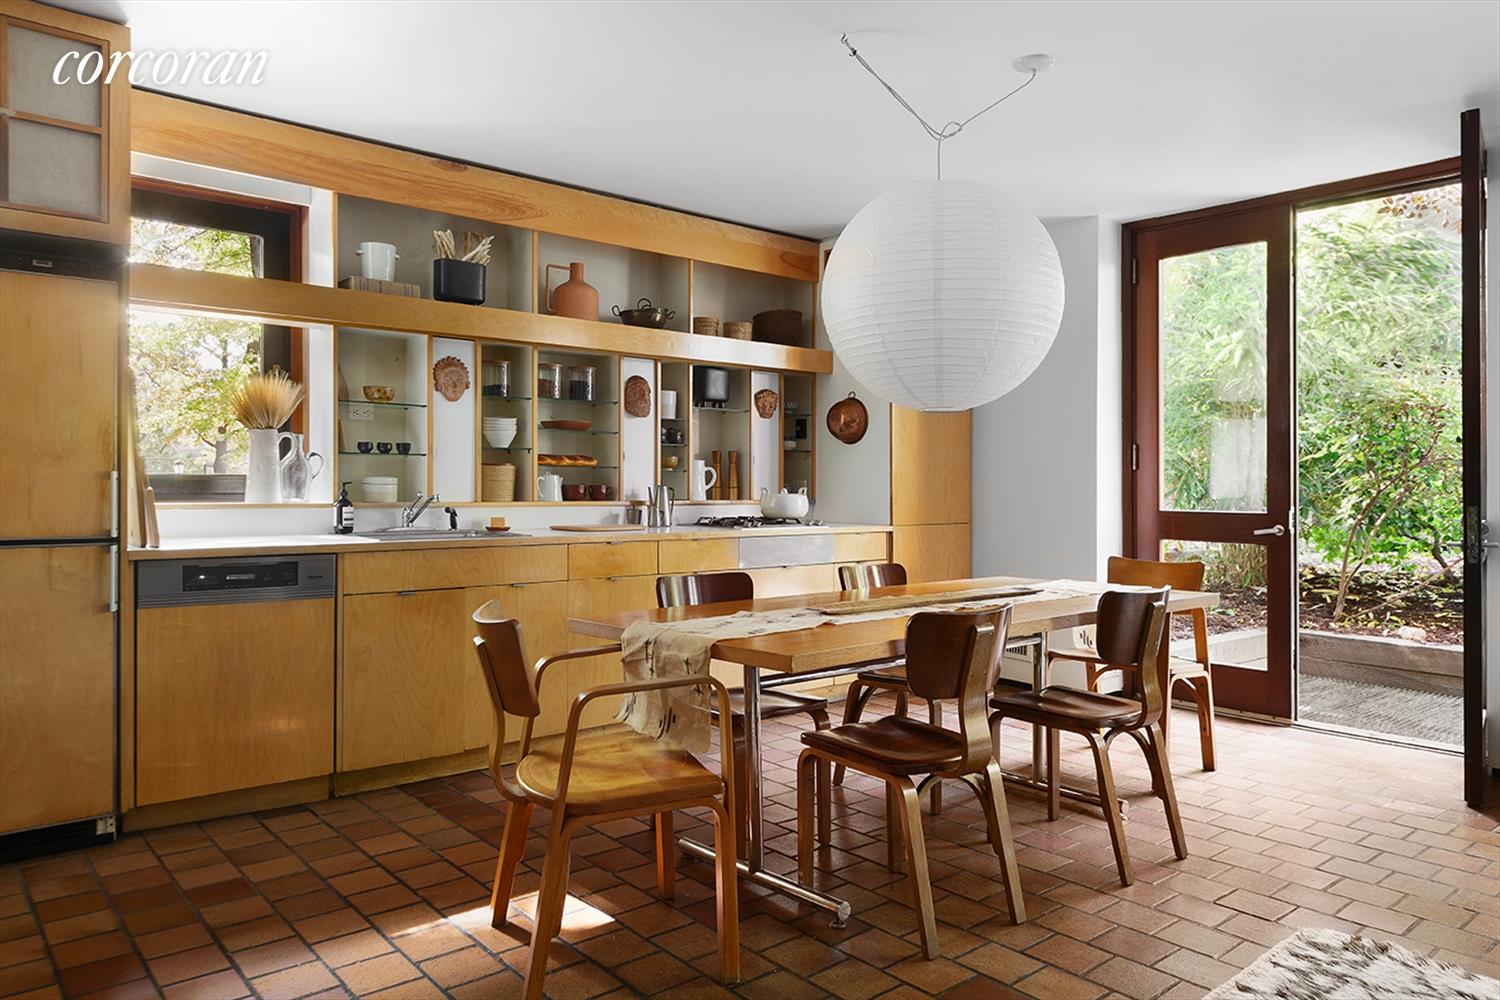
386	894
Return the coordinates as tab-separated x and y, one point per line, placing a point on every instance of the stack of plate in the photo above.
379	489
497	483
499	432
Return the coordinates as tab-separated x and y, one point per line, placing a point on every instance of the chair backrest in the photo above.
703	588
1185	575
869	576
956	654
508	676
1131	632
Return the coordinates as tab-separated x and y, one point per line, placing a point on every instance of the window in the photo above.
187	366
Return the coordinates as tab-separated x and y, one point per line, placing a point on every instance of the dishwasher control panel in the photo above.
169	583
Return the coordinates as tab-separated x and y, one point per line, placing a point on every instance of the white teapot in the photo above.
793	506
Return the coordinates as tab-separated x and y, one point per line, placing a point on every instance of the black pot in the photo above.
710	385
458	281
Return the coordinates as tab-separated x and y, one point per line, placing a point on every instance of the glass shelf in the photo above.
383	454
504	399
579	402
492	448
565	430
665	445
383	406
572	468
796	451
721	409
675	419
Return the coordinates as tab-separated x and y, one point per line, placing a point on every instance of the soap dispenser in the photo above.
343	512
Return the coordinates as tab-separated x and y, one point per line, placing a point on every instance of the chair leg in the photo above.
902	708
902	797
727	897
854	705
550	902
825	786
1054	775
741	790
892	828
935	715
1203	694
1161	775
997	818
512	846
807	768
1111	805
666	856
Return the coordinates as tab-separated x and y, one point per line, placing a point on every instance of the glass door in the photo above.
1211	459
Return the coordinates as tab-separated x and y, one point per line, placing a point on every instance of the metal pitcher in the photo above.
660	501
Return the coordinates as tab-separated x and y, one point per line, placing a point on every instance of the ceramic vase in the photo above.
575	297
298	470
263	473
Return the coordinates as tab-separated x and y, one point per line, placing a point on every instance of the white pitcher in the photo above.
701	479
549	488
377	261
263	471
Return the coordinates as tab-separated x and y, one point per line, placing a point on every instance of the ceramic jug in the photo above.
574	297
701	479
549	488
263	469
298	470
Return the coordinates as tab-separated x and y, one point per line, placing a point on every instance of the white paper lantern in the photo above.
942	295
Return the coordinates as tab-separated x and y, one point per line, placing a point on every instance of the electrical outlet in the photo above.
360	412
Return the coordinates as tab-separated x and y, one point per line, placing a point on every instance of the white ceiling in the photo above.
753	112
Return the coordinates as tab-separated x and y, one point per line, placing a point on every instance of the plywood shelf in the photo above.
297	304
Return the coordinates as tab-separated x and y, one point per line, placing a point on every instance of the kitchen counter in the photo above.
234	546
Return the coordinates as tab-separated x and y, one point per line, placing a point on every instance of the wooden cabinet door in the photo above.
932	552
929	467
215	713
541	608
66	143
621	593
57	686
401	690
59	341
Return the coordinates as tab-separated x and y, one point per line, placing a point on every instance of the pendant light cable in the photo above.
950	129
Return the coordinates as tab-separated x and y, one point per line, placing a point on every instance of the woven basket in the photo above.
497	483
706	326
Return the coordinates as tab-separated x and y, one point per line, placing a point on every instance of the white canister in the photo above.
549	488
701	479
669	404
377	261
380	489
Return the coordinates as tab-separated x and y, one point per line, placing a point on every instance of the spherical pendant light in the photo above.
942	295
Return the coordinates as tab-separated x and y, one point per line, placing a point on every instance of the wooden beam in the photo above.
293	303
199	133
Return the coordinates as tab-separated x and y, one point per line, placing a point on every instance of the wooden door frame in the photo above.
1137	456
1472	177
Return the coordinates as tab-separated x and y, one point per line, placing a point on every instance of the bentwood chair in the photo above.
1194	672
713	588
591	777
949	655
1130	636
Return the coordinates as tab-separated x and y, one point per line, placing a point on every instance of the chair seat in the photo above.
1063	706
898	744
613	767
891	677
773	704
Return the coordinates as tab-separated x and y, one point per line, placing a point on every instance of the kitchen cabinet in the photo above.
66	145
698	555
541	608
59	341
783	581
621	593
57	686
448	567
215	713
401	693
603	559
932	552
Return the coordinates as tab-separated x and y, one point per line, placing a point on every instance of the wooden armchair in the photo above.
949	655
713	588
1129	636
590	777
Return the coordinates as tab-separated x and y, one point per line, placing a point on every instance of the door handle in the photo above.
1276	529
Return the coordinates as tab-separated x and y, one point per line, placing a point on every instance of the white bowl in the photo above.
498	438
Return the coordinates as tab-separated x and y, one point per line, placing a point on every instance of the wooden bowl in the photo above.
380	393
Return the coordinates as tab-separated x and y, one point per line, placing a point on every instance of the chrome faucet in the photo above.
410	514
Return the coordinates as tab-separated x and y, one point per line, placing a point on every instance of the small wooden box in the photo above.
401	288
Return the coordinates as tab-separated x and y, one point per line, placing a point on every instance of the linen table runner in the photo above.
682	648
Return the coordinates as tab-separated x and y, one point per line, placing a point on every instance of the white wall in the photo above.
1046	486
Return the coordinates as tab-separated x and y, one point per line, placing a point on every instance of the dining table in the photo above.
832	650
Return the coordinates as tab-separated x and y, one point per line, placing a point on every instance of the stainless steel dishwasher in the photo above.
234	674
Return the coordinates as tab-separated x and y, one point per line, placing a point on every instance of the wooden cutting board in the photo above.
598	527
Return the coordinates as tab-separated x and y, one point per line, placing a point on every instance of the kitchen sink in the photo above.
435	534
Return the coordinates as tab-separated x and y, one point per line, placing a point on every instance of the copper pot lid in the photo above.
848	420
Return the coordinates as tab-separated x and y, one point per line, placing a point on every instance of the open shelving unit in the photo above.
382	358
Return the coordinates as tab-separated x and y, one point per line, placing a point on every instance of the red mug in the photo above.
599	491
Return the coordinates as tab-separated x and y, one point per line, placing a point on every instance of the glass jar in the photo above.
497	379
581	382
549	382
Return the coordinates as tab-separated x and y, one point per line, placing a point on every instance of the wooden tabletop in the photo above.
836	645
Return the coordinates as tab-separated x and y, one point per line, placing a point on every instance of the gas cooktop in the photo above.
746	521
